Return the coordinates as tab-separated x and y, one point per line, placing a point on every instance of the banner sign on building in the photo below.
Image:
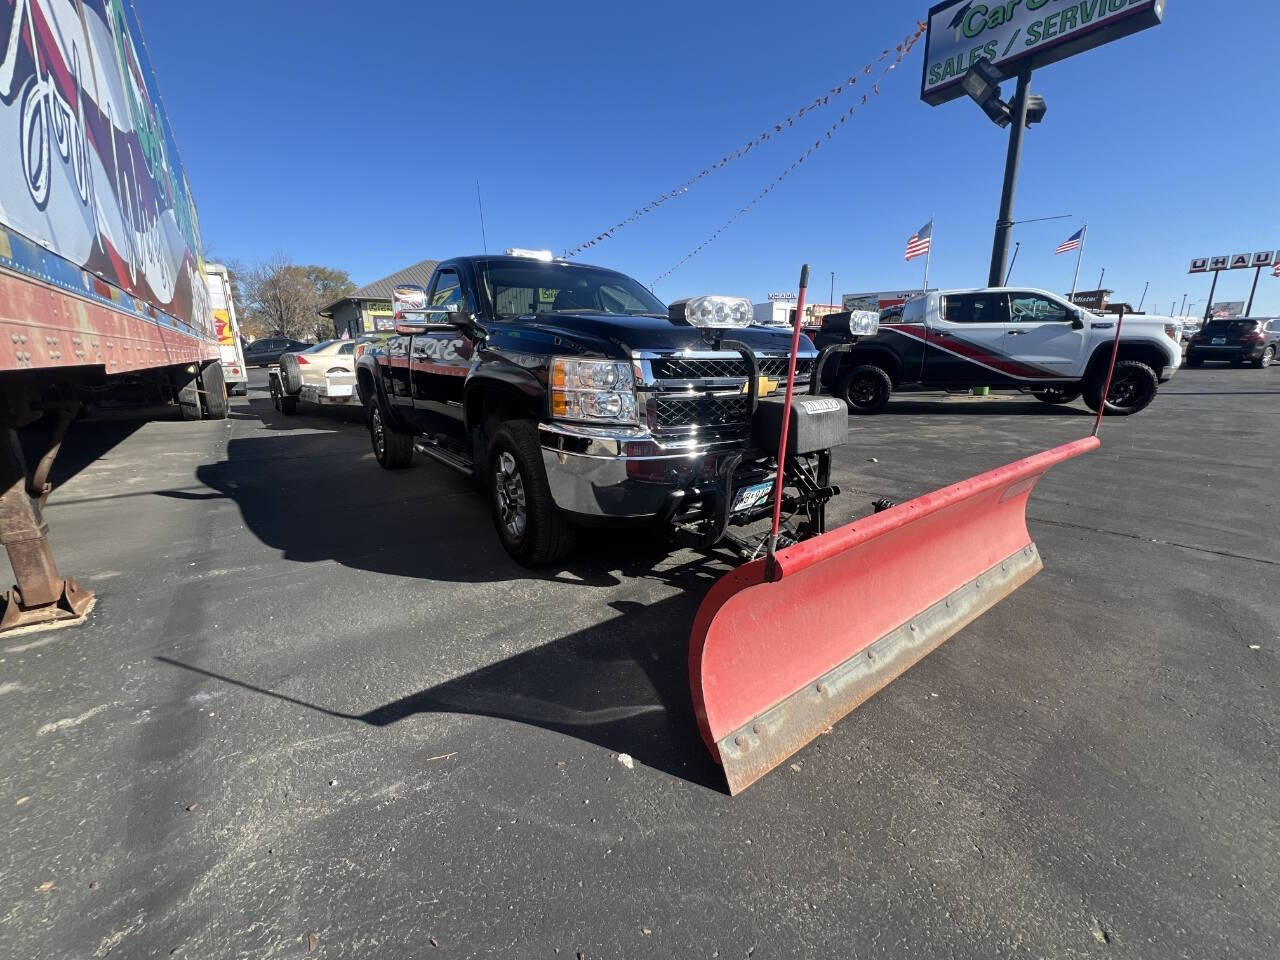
783	297
1018	35
96	178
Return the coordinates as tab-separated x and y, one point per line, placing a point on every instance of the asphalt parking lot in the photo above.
318	711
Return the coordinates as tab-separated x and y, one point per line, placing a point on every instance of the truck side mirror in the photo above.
1077	321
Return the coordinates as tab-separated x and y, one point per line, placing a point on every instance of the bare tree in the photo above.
281	297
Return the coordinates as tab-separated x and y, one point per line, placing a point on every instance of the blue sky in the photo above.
352	135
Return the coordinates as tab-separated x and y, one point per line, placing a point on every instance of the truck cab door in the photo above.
439	362
1048	334
968	341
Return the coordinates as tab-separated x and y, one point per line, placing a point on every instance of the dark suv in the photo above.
1239	340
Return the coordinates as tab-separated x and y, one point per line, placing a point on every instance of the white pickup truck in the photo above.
1005	338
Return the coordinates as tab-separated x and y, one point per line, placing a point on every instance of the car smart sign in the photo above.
1018	35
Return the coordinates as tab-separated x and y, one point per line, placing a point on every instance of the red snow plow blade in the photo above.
774	663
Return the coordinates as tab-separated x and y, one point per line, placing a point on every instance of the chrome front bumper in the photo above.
623	474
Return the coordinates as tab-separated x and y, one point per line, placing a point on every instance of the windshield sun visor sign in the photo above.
1020	35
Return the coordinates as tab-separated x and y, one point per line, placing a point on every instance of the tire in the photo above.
291	375
1056	395
1133	387
532	531
288	406
1264	361
866	389
215	391
393	449
1195	362
189	396
274	387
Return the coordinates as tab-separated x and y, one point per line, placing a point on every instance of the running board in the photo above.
447	457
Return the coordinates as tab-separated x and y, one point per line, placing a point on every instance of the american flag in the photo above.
1071	243
920	242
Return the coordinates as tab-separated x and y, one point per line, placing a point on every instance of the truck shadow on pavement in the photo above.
621	684
311	490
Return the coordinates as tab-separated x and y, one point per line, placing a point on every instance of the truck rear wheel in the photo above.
215	391
1056	394
392	448
866	389
531	529
188	394
1133	387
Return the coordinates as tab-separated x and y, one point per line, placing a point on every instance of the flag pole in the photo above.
928	257
1084	235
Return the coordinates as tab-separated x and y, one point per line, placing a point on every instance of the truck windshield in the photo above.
518	289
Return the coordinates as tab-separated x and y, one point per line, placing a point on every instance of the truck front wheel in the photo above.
392	448
1133	387
866	389
524	514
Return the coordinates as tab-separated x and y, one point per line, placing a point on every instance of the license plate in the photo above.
752	496
340	389
1217	341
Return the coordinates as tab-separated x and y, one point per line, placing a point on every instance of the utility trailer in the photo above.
102	287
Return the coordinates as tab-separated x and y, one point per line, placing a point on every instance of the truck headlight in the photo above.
599	391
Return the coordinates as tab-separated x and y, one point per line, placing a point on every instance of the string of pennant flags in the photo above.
902	50
818	102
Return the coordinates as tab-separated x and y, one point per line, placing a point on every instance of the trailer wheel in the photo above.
1133	387
215	391
189	395
1056	394
532	531
392	448
866	389
274	387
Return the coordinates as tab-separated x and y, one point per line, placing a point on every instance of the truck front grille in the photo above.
694	396
686	368
700	411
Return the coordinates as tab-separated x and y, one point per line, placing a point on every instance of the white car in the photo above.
323	374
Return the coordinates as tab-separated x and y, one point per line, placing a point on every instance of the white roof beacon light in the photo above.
546	256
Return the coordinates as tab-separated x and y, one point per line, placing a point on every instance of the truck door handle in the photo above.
1017	333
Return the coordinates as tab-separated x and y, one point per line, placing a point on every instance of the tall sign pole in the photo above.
1208	304
1084	235
1012	161
1248	311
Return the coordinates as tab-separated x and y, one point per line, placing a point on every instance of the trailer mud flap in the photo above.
775	662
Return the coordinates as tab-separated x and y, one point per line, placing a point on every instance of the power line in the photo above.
903	49
788	122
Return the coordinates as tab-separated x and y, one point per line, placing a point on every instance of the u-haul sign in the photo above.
1018	35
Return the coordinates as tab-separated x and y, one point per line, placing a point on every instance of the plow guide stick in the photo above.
778	655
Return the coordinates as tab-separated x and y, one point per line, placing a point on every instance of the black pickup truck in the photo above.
573	397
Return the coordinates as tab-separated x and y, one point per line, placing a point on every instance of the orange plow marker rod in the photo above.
772	664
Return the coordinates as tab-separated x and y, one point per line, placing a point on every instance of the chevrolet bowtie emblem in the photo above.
765	387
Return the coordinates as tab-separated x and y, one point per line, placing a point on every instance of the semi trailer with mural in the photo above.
102	285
